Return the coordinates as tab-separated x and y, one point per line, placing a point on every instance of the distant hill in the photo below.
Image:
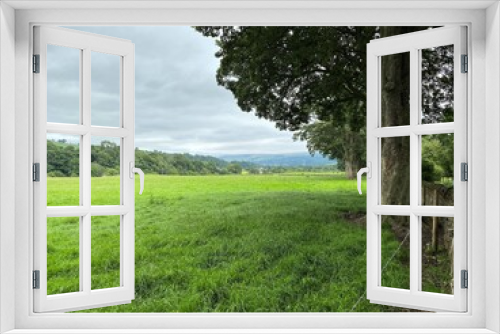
285	160
63	160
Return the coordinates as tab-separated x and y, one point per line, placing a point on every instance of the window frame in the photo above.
479	277
123	50
413	44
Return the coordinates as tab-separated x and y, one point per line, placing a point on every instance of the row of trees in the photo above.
63	160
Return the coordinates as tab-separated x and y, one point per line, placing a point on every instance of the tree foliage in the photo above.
437	84
63	160
332	139
313	80
437	157
305	79
293	75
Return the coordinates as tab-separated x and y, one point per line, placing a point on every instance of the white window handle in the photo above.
133	170
368	171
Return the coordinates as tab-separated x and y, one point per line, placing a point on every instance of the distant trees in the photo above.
234	168
105	159
254	170
97	170
63	160
336	140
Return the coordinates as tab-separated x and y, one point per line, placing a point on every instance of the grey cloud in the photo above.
63	85
179	107
105	89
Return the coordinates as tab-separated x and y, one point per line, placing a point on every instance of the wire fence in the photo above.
383	268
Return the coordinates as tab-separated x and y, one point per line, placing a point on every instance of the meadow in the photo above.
229	243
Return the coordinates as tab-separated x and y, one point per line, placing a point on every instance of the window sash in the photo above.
86	297
414	298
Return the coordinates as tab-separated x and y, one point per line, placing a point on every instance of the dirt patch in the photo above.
357	218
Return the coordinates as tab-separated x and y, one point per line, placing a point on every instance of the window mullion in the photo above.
85	176
414	171
418	153
85	161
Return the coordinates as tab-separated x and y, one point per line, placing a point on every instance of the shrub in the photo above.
56	173
112	171
97	170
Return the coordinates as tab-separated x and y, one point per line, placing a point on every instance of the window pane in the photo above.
105	171
437	169
437	84
105	89
105	252
63	255
395	240
437	254
63	84
395	86
63	170
395	171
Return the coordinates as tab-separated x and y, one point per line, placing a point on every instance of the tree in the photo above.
97	170
337	141
296	76
312	79
437	106
395	111
62	158
437	157
234	168
437	84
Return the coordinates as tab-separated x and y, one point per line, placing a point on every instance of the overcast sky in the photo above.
179	106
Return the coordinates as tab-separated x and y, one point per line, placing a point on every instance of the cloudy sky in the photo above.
179	106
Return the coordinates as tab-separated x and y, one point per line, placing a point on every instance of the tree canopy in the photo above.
294	75
305	79
312	80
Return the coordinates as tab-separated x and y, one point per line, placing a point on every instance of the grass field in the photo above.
242	243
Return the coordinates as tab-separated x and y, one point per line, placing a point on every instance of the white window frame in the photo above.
413	43
484	103
123	50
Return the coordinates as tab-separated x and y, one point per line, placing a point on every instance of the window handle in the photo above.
133	170
368	171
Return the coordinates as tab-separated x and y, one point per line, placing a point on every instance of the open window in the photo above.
88	112
88	107
482	244
408	107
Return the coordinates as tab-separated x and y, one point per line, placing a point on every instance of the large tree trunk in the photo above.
395	105
349	171
351	168
351	159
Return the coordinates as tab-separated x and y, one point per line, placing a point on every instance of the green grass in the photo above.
62	254
244	243
395	255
